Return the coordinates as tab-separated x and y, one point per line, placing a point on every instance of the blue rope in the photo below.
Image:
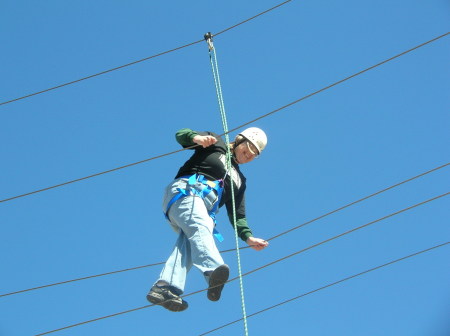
215	70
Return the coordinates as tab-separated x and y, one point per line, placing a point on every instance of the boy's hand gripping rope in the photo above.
215	70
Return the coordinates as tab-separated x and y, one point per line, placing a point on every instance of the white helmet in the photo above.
256	136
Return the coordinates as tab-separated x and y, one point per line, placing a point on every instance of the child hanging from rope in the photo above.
190	204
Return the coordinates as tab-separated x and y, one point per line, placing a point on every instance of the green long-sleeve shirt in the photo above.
211	162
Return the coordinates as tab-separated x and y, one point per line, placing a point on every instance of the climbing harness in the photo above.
208	186
215	69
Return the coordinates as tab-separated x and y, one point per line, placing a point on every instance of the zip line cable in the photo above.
217	82
359	200
329	285
94	175
232	130
259	268
225	251
226	134
253	17
141	60
85	278
343	80
350	231
97	74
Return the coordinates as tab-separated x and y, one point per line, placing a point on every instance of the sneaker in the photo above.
163	296
217	280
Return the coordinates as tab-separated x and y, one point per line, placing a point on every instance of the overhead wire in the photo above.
350	231
236	128
93	175
359	200
265	115
342	80
84	278
262	267
253	17
229	250
140	60
329	285
97	74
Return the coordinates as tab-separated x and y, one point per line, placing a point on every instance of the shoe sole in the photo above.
170	304
217	280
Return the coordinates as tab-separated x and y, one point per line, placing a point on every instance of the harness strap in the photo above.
209	186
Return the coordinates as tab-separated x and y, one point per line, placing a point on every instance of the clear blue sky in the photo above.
371	132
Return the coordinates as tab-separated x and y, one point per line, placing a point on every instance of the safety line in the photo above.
141	60
230	250
217	83
329	285
232	130
257	269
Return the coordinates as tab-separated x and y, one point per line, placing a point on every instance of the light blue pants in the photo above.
195	245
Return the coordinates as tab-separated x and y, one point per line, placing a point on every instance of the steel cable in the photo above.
229	250
259	268
141	60
247	123
328	285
